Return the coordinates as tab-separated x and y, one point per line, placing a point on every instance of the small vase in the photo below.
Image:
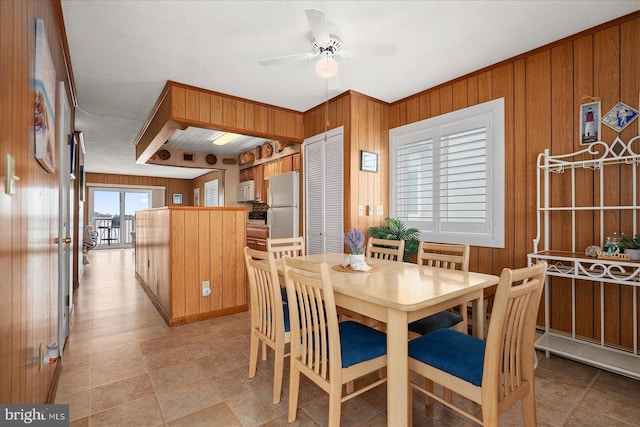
633	253
353	258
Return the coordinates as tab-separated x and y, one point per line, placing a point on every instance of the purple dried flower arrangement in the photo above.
354	239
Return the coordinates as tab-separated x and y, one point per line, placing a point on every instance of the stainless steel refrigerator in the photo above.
283	200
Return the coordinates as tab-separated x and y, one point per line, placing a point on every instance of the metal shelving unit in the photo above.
577	266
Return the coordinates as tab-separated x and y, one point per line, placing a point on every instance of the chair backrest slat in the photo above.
510	339
267	313
286	246
314	320
444	255
392	250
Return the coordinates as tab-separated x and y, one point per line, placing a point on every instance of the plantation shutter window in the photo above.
446	176
211	193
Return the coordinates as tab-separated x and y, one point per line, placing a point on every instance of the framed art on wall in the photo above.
368	161
44	84
620	116
177	198
589	122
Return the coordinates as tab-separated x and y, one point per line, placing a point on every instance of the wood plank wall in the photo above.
543	91
28	219
365	122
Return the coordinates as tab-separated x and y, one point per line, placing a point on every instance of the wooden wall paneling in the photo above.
502	82
522	241
290	123
472	90
459	92
472	99
229	117
217	260
394	113
425	106
240	272
537	132
446	99
217	109
483	255
280	122
204	111
436	108
413	109
192	285
562	141
240	117
585	220
192	105
249	116
229	265
629	94
162	258
178	295
271	120
261	119
178	102
607	85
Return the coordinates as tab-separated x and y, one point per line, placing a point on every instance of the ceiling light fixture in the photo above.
225	138
326	67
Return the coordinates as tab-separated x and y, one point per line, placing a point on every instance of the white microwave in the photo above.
245	192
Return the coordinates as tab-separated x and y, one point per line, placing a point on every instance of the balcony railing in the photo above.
114	235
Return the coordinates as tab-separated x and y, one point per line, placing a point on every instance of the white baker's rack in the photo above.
576	266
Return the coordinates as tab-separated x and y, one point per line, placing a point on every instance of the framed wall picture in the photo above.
620	116
73	149
177	198
589	123
44	84
368	161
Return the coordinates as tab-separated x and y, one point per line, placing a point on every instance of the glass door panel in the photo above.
113	214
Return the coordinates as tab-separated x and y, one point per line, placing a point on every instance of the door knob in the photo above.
66	240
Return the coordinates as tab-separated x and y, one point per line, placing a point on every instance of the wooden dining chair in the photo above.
450	256
495	373
269	318
330	353
392	250
290	246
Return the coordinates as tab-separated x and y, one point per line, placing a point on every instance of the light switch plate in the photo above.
10	175
369	210
379	210
360	210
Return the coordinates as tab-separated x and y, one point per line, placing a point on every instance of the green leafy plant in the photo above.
395	229
629	243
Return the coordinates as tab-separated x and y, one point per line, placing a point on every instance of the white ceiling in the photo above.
123	52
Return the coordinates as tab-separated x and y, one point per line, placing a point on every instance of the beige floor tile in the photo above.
78	404
218	415
584	416
176	375
209	347
238	381
354	412
216	364
302	420
255	407
614	404
82	422
187	399
153	332
118	370
74	381
160	344
119	392
143	412
167	357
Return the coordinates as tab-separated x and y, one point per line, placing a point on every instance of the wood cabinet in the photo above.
286	164
180	248
246	174
257	237
295	160
258	183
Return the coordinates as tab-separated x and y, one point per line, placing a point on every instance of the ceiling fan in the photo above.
325	45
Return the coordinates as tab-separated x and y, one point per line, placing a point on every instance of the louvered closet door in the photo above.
324	172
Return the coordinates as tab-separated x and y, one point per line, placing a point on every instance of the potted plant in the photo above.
354	240
630	246
395	229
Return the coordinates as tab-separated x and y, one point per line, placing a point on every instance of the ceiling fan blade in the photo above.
287	59
318	23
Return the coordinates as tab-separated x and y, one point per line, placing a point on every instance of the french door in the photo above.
112	214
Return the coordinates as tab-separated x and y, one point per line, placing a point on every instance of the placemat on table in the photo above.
348	269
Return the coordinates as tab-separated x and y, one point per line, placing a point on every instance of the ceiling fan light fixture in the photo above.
327	67
225	138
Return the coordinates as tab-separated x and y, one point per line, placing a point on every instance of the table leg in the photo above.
397	369
477	306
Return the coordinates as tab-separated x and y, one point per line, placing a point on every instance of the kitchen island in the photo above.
182	250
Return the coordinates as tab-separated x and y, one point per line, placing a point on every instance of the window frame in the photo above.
492	114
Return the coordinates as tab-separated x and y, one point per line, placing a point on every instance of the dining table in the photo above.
397	293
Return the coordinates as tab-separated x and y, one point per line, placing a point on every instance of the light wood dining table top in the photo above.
398	294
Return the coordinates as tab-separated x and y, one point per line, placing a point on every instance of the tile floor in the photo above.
123	366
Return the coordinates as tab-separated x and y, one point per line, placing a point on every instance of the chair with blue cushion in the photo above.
442	255
286	246
330	353
269	318
495	373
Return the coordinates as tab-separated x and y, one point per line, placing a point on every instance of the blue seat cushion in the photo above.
458	354
359	343
441	320
283	291
287	322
